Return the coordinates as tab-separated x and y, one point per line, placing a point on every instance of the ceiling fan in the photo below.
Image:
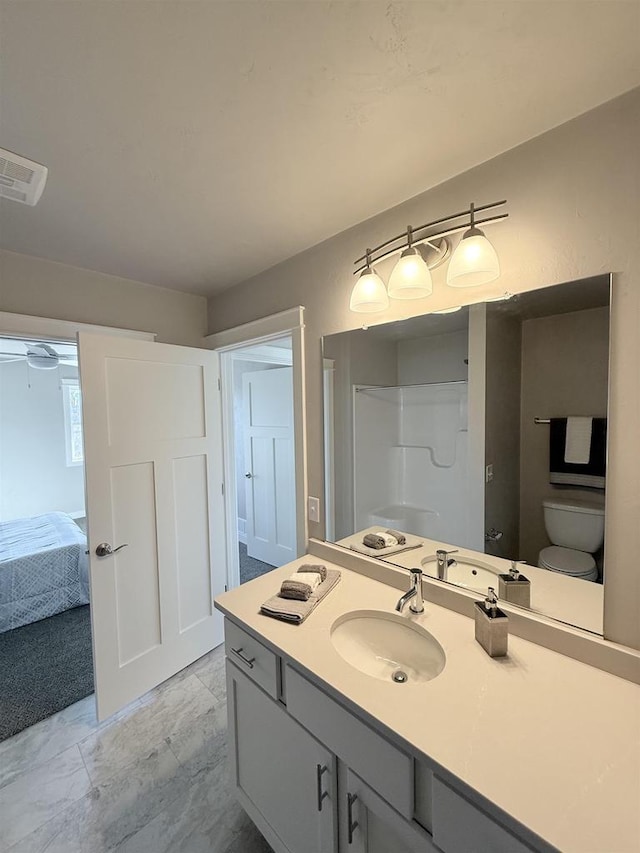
37	355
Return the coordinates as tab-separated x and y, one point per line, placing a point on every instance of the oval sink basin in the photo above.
387	646
466	572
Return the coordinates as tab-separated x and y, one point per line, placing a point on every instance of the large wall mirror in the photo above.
480	433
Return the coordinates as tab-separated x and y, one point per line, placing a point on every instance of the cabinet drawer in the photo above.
460	827
387	769
251	657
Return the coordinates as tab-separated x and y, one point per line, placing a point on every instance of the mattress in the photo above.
44	569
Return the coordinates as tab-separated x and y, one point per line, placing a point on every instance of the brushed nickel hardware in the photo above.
320	770
249	661
415	591
105	550
352	824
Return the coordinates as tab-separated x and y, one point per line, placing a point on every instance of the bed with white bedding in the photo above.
43	568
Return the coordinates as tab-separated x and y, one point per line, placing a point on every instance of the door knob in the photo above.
105	550
248	475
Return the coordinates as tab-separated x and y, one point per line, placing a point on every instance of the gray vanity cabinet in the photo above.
316	777
284	778
288	783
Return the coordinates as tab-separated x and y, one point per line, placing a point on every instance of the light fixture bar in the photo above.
472	209
430	237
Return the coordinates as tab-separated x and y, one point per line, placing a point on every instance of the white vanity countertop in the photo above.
553	742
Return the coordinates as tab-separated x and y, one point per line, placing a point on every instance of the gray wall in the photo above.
565	362
573	202
34	476
44	288
502	433
438	358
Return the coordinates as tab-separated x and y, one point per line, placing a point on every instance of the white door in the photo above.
270	466
153	463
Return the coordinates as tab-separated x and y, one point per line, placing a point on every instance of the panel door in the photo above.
270	465
153	463
279	769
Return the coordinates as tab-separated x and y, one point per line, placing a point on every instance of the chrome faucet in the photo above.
443	562
416	606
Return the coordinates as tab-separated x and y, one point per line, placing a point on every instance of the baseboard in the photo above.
242	530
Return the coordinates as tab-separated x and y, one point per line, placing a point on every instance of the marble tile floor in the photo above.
152	779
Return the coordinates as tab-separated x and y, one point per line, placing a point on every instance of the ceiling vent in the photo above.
21	179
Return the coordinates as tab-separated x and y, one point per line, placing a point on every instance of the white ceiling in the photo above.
194	144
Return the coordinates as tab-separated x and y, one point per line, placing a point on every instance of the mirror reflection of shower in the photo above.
410	459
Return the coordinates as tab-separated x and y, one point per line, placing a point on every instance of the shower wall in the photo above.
410	460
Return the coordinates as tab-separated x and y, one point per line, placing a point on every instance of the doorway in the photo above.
45	632
46	661
277	342
258	424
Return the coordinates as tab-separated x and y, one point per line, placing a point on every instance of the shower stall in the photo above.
410	460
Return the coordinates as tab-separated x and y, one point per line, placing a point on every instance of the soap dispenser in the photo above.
515	587
492	625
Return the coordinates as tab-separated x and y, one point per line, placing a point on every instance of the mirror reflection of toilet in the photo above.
576	529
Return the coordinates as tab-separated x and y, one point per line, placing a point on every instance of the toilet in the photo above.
576	529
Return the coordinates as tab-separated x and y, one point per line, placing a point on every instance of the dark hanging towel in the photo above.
591	474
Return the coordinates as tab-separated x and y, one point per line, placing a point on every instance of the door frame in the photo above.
328	375
226	343
28	326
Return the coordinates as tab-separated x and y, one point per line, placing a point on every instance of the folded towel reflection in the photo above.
380	539
401	542
400	538
300	586
311	567
296	611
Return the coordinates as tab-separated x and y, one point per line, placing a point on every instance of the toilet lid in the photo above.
567	560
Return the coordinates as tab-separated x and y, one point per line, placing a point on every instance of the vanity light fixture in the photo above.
422	249
369	294
474	261
411	277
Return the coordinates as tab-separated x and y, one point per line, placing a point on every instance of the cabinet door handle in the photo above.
249	661
352	824
322	795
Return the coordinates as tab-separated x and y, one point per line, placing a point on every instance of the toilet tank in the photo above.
577	524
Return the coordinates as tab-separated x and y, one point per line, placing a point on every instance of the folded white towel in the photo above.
312	579
577	446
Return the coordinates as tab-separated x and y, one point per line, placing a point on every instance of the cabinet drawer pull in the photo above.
249	661
320	769
352	824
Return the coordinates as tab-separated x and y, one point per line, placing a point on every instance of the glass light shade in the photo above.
369	293
411	278
474	261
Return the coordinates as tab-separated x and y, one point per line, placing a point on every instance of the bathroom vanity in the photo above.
534	751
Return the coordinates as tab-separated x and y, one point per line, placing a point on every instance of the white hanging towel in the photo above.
577	446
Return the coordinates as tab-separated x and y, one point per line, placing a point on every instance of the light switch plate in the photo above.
314	509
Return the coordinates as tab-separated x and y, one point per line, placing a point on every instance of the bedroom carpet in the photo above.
44	667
